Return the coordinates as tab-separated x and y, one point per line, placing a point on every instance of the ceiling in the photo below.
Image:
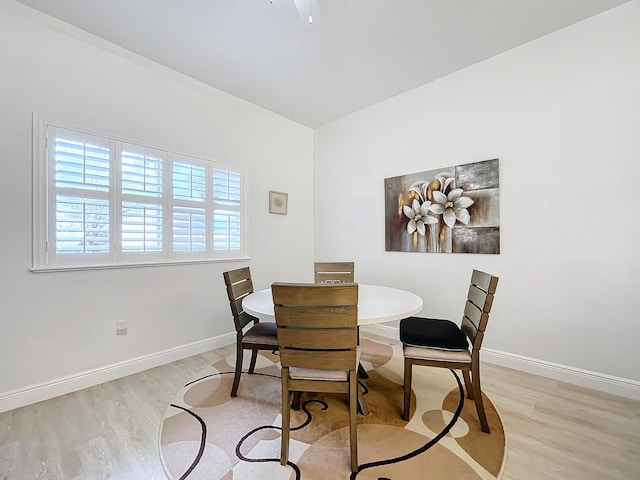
356	52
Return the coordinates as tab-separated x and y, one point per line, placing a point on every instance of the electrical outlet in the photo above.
121	327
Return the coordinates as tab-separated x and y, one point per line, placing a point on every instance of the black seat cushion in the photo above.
267	329
432	332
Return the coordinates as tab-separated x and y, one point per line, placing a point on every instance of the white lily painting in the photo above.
448	210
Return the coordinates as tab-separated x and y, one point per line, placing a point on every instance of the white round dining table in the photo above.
376	304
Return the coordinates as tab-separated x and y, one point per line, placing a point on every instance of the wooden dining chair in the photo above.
251	334
441	343
317	337
333	272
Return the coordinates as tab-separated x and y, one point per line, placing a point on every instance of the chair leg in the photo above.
238	372
254	356
406	404
467	384
353	414
286	418
477	393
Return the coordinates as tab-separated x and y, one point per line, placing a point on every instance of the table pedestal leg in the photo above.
362	373
362	403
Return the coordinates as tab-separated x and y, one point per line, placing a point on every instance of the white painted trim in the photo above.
585	378
598	381
382	330
89	378
61	386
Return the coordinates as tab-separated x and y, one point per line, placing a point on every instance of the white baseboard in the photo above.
598	381
382	330
89	378
61	386
623	387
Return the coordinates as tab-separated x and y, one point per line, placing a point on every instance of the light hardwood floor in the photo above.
555	430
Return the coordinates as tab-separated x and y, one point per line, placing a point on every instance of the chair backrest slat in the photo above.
333	272
476	316
326	360
239	285
478	306
315	295
334	339
326	317
317	324
242	288
480	298
484	281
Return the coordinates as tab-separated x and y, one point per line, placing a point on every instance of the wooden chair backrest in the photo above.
317	324
333	272
479	301
239	285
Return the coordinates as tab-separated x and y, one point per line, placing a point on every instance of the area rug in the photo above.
206	434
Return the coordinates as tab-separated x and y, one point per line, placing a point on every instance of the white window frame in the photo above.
45	256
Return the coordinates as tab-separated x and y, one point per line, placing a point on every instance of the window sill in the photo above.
66	268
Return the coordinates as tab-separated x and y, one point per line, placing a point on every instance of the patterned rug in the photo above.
206	434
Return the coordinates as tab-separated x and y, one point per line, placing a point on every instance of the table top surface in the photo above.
376	304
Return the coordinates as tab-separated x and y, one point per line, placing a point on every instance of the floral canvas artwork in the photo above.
448	210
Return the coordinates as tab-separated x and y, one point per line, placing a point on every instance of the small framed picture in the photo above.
278	202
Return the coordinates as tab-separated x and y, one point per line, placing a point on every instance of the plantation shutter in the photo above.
189	207
79	223
100	201
142	189
227	193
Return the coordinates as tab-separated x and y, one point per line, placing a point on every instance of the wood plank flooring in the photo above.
554	430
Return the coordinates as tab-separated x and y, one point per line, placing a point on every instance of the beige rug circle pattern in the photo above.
206	434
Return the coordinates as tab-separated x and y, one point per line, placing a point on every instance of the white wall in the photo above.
563	115
49	328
